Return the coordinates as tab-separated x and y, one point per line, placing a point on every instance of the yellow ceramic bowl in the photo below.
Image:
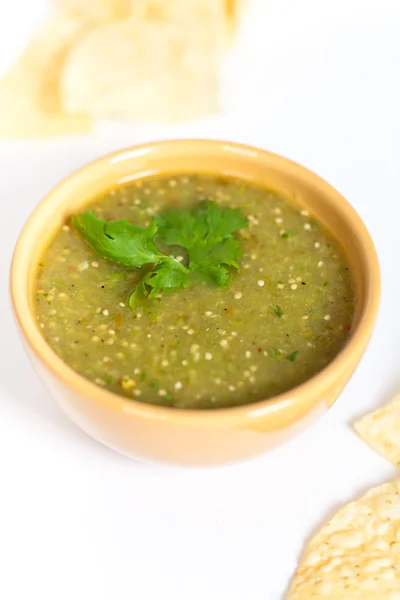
194	437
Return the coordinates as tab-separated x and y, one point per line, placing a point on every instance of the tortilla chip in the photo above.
29	92
142	70
381	430
99	9
195	16
357	554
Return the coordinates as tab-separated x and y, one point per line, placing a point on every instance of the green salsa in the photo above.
280	318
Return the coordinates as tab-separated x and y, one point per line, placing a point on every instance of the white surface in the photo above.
78	521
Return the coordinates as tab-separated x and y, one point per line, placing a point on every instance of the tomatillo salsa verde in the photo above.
194	291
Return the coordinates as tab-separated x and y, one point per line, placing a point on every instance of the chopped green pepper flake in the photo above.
108	379
169	398
274	353
326	283
45	294
153	316
277	309
154	383
292	356
287	234
143	376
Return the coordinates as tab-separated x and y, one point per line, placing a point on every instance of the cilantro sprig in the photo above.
206	233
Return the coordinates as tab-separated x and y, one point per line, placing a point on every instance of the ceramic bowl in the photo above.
194	437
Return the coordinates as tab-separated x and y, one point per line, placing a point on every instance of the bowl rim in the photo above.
296	396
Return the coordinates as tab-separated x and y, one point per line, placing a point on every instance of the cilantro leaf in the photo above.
169	274
206	224
120	241
277	309
206	233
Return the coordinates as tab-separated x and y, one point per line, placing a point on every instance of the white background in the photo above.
317	81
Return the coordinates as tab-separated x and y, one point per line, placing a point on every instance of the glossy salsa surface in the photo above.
283	317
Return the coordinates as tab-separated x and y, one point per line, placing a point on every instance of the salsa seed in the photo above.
321	262
224	343
137	392
65	228
194	348
278	220
253	368
277	211
111	332
164	363
218	381
238	295
298	278
120	355
190	331
178	385
162	393
291	280
208	356
304	213
98	310
172	183
317	245
83	265
106	312
184	363
95	264
260	283
231	388
305	317
95	338
280	286
327	317
294	286
246	266
307	226
248	354
110	342
253	256
122	304
106	359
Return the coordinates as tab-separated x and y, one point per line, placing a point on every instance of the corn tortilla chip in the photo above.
357	554
381	430
142	71
29	92
98	9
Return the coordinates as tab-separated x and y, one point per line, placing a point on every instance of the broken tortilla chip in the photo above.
29	92
357	554
381	430
141	70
